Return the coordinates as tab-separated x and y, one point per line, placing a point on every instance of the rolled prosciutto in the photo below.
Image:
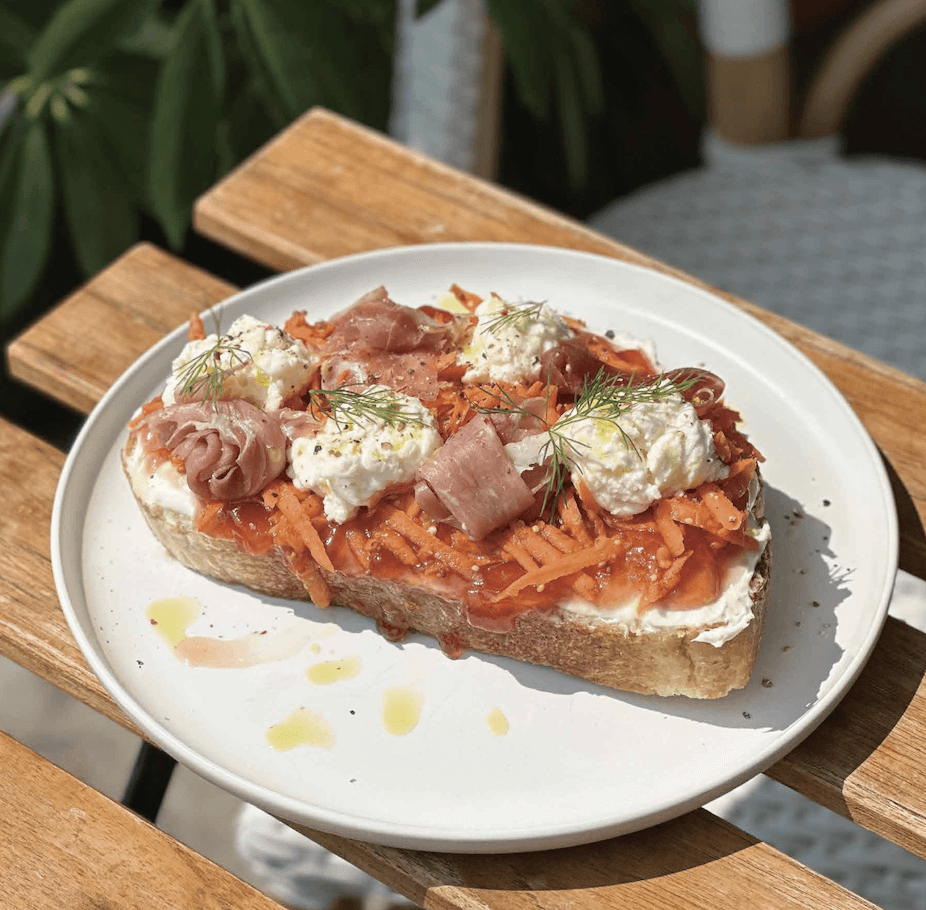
230	449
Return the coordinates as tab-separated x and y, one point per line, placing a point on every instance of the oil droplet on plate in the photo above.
401	710
172	616
329	671
498	723
302	728
237	653
315	647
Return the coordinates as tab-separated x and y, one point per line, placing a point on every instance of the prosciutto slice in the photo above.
569	364
705	389
474	479
230	449
378	324
513	426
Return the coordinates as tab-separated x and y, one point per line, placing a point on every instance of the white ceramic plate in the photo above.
578	762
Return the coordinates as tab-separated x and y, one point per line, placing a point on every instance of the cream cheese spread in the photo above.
160	487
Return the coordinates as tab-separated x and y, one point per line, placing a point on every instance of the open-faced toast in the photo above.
498	478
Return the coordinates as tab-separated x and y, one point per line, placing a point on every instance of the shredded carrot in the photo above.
149	407
292	509
667	582
359	546
736	484
563	542
416	534
538	548
547	554
721	508
571	518
672	533
629	361
196	331
567	564
395	543
304	566
519	555
314	334
207	515
467	298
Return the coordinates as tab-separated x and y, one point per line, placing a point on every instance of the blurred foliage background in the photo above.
116	114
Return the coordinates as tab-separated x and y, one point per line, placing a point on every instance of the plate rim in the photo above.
424	837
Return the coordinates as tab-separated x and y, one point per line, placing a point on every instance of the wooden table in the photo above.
324	188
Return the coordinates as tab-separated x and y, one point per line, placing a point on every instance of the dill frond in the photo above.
346	407
513	314
204	375
603	397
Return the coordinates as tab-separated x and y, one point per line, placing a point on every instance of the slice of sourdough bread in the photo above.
665	661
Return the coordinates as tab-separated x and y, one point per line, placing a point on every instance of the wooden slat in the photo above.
697	862
327	187
33	630
111	321
867	761
64	845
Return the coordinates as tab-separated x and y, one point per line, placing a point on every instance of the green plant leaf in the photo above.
248	124
16	37
82	32
28	234
152	39
573	123
183	156
315	53
525	38
101	216
587	69
672	24
35	13
123	125
260	81
422	7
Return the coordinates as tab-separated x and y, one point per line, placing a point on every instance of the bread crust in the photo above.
662	662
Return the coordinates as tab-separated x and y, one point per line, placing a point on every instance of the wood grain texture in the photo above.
697	862
64	845
111	321
327	187
850	762
33	630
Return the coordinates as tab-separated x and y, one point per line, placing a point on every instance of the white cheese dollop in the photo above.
506	347
656	449
350	465
260	363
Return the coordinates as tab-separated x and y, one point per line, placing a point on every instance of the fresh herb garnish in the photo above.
203	376
344	407
603	397
512	314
